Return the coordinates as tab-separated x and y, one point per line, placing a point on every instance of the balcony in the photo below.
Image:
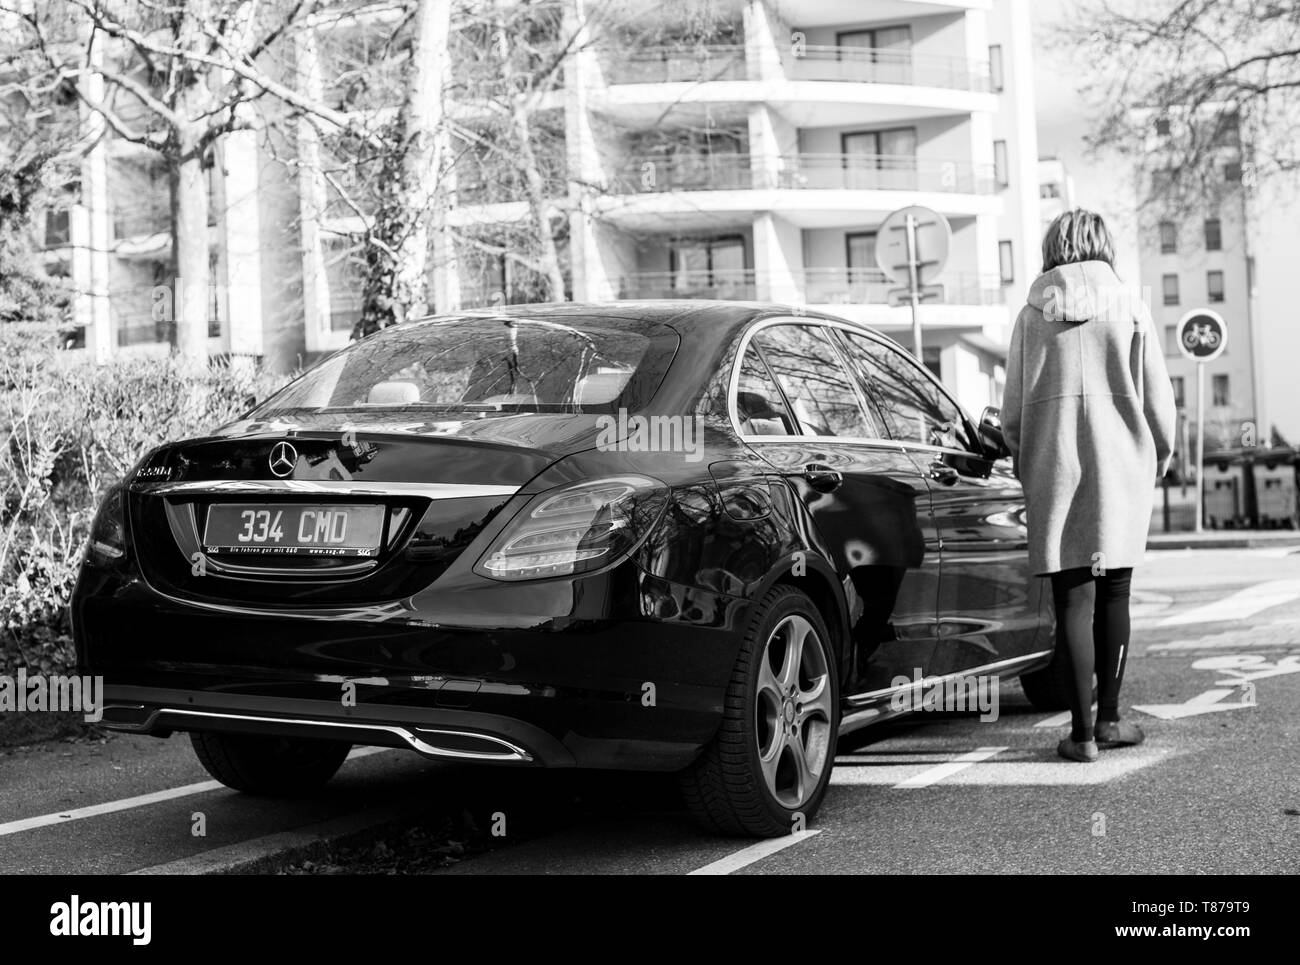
814	286
868	65
863	286
670	65
728	284
863	65
835	172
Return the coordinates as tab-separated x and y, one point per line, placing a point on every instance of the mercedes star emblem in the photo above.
283	458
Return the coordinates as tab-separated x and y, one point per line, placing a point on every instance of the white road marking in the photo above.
140	800
1206	703
1037	767
1238	606
1057	720
108	807
936	774
755	852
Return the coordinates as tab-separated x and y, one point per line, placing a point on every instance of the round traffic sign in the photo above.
932	239
1202	334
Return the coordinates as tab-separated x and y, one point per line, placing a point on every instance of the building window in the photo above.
1232	172
1000	163
1171	339
1169	283
1162	126
57	228
1168	238
860	252
1219	389
1006	263
1177	382
1214	285
1213	235
996	79
880	159
705	264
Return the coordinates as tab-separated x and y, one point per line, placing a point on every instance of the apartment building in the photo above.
1200	257
756	161
1055	190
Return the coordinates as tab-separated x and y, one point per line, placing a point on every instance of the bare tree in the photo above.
1185	88
173	77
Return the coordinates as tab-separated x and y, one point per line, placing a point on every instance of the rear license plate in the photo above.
293	529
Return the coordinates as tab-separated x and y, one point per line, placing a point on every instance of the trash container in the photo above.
1224	476
1275	490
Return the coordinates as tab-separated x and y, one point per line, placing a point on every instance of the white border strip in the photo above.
140	800
755	852
936	774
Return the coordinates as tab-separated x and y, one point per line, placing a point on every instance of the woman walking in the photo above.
1088	413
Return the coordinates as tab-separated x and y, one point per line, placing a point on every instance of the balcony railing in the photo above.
816	286
664	65
729	284
883	172
853	172
868	65
865	65
687	172
865	286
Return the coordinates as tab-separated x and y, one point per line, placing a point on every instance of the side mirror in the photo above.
990	432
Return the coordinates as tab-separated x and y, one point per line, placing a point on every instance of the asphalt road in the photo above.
1215	789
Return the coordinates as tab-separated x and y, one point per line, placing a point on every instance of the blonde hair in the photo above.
1074	236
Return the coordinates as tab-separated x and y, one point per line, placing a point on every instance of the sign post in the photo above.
912	246
1202	337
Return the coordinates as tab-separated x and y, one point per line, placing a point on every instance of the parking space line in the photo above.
755	852
108	807
934	775
140	800
1240	605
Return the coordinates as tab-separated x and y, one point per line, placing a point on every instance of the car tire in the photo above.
1049	689
270	766
748	781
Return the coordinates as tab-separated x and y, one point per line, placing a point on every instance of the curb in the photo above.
1192	541
272	851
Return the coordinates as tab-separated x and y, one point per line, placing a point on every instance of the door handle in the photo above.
821	478
942	473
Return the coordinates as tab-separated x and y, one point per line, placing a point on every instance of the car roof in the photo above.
702	323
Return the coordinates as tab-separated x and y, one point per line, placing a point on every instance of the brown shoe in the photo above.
1085	752
1118	733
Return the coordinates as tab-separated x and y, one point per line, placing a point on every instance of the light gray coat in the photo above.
1088	413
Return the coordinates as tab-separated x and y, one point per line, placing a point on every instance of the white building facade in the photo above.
756	165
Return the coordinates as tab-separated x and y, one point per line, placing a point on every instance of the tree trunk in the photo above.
421	163
190	297
397	247
548	253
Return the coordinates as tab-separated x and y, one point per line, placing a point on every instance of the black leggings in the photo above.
1092	627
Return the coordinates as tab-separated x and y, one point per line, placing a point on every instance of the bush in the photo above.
68	431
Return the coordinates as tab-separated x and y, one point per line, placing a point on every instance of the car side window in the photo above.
760	409
820	389
917	410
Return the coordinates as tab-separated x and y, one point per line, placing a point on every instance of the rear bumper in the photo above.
602	686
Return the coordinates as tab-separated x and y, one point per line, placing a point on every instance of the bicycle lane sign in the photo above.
1202	335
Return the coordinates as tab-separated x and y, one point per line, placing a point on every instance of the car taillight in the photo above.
575	529
108	531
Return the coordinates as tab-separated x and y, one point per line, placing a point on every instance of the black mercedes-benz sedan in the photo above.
692	536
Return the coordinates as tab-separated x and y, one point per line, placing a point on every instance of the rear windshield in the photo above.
478	364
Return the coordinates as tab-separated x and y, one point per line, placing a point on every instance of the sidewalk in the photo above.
1223	539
